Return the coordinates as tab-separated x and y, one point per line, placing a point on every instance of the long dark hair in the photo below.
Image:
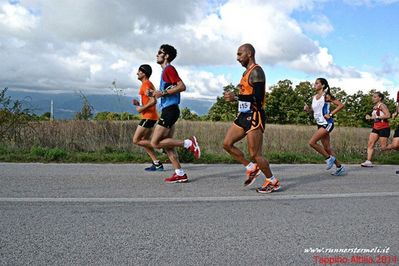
381	95
327	88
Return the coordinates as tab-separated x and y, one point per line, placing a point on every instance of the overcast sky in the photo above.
67	45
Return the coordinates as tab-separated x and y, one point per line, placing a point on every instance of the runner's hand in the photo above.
158	94
150	93
135	102
229	96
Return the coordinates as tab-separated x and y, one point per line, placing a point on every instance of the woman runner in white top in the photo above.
325	123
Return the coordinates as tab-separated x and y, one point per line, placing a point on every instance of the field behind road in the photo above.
111	141
117	135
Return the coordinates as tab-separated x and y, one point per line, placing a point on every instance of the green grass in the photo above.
47	155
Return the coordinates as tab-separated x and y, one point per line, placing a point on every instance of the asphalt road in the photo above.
118	214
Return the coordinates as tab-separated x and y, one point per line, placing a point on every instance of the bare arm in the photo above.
229	96
339	105
396	113
387	114
307	108
180	86
150	103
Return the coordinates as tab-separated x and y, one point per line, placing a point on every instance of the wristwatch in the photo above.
164	93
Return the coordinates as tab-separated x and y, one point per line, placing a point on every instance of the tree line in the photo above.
284	105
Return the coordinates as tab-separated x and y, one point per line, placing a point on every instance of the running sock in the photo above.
250	166
271	178
187	143
157	162
179	172
328	157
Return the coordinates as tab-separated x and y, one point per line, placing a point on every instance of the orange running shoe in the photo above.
252	175
269	186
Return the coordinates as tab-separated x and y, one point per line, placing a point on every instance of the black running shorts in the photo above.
396	135
252	120
169	116
147	123
382	133
329	127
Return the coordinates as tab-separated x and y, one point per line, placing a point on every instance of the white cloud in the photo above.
16	18
202	84
120	64
321	63
319	25
365	82
86	44
268	26
370	2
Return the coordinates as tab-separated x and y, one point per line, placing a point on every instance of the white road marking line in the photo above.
273	196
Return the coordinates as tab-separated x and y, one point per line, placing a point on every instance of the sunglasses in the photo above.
161	52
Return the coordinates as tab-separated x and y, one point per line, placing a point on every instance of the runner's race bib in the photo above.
244	107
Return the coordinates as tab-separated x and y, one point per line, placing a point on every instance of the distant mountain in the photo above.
67	104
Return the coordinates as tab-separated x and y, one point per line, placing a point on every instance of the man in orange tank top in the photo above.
250	121
146	107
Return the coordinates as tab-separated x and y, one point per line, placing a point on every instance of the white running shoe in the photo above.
330	162
367	163
340	171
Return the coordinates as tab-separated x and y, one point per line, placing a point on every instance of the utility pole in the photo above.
52	111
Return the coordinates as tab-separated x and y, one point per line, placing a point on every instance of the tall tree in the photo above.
87	110
187	114
281	103
222	110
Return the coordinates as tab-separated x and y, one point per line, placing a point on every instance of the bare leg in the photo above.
326	142
318	135
255	141
373	138
161	133
234	134
141	137
162	138
395	144
383	143
173	157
